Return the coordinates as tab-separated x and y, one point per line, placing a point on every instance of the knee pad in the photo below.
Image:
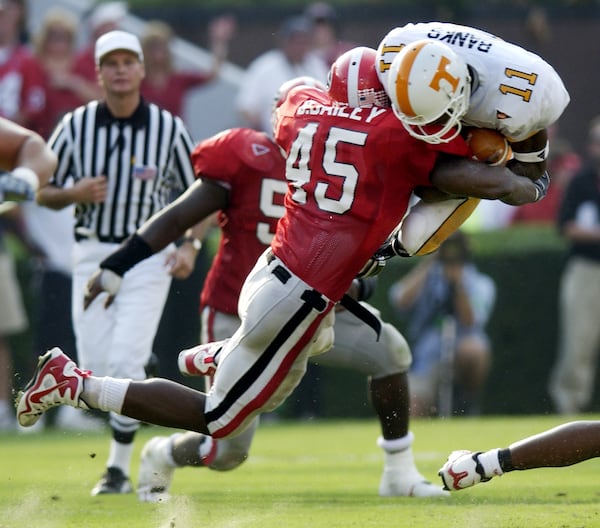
398	357
232	452
228	456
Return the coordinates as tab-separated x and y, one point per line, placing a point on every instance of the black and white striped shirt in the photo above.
145	158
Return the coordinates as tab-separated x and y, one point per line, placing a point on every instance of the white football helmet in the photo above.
353	80
429	84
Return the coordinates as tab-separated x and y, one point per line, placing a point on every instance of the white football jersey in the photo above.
514	91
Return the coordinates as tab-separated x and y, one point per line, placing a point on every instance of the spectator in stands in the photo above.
326	40
166	86
55	48
574	373
448	301
22	92
266	73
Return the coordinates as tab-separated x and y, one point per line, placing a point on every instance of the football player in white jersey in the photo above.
441	76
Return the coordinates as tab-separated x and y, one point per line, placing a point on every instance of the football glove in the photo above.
541	186
374	266
13	188
392	247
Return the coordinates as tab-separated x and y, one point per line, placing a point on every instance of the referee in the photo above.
119	161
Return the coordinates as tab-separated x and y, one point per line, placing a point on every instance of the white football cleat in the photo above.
398	483
200	360
462	470
156	470
57	381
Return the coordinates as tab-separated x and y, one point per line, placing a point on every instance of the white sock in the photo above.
396	444
120	456
106	394
490	463
398	455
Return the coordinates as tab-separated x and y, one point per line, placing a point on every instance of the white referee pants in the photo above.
283	323
117	341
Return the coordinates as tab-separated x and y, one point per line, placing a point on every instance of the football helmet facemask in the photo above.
429	84
353	80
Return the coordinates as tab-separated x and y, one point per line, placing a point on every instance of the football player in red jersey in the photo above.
253	170
350	174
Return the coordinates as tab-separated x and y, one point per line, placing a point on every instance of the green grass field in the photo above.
321	474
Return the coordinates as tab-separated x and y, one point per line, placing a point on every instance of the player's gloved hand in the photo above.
103	280
392	247
374	266
541	186
18	185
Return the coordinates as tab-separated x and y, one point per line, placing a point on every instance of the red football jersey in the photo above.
252	168
351	172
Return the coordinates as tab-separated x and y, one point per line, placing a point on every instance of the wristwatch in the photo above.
196	243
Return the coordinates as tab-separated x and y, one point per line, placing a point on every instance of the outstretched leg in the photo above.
59	381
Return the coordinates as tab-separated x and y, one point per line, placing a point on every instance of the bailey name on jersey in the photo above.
357	114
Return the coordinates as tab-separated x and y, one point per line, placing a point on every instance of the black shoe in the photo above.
113	481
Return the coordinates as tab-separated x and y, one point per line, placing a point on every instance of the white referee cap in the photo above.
117	40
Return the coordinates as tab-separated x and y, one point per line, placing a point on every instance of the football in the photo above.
489	146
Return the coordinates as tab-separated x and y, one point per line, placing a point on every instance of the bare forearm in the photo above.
197	204
561	446
55	197
464	177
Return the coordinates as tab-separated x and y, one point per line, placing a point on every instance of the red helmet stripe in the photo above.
354	65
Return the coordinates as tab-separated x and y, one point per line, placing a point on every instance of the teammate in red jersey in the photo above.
339	209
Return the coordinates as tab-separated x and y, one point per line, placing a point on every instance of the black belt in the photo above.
315	299
358	310
311	297
279	271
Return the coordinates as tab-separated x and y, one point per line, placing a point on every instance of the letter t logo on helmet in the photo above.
429	84
443	74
